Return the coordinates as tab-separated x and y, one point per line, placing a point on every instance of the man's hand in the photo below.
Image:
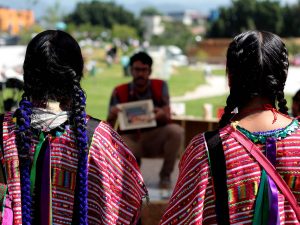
162	114
113	114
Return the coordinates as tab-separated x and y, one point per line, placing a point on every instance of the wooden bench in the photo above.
152	212
193	126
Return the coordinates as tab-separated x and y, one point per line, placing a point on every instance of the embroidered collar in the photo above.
278	133
55	132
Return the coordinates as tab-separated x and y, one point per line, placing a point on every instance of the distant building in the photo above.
13	20
188	17
191	18
153	26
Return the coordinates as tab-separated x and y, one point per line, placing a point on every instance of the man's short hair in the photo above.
141	56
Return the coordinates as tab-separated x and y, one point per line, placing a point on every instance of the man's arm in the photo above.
163	113
113	109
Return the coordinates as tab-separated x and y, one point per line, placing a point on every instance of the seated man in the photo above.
166	139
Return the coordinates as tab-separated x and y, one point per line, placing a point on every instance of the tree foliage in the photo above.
150	11
291	20
124	32
243	15
53	15
104	14
27	34
176	33
85	31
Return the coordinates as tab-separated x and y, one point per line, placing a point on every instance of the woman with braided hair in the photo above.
247	171
60	165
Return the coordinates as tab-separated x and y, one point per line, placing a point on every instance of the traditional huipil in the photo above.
115	185
252	197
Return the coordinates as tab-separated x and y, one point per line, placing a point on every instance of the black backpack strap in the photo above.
218	170
91	125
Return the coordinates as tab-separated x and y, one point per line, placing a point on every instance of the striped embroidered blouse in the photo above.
115	185
193	200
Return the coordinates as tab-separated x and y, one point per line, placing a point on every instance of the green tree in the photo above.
268	16
243	15
176	33
85	31
53	15
105	14
124	32
26	34
150	11
291	20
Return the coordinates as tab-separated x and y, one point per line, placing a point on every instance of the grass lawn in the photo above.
184	79
219	72
195	107
99	87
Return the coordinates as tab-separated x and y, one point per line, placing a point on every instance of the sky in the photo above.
203	6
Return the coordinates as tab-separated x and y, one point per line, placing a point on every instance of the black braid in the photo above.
225	119
257	64
282	103
244	69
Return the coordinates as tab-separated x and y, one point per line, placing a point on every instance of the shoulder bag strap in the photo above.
156	88
123	92
218	170
269	168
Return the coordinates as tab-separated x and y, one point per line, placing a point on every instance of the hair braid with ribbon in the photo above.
79	122
257	65
53	68
284	63
227	112
23	142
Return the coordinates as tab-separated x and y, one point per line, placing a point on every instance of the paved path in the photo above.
150	169
217	86
293	81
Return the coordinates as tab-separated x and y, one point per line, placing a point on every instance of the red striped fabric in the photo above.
115	185
192	201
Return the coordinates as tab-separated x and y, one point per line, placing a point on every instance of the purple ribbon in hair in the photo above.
273	191
45	187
